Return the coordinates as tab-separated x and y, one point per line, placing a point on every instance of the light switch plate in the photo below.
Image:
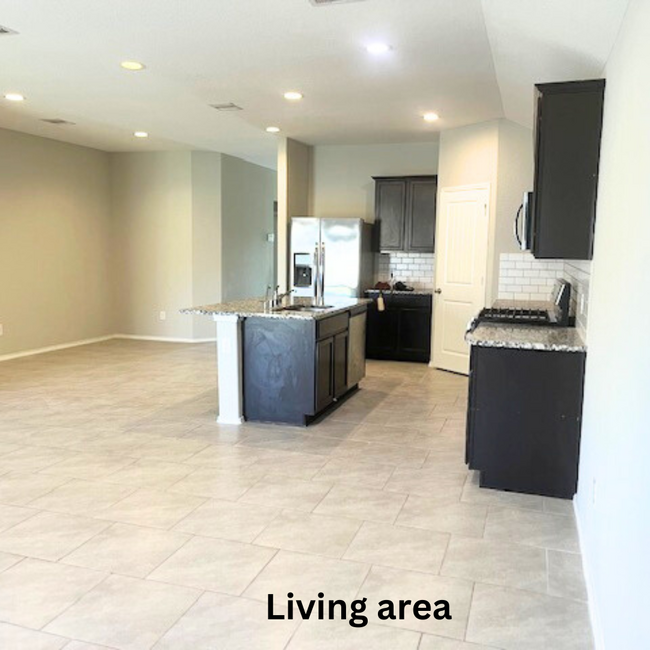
162	315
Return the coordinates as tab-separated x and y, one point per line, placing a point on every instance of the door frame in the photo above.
490	252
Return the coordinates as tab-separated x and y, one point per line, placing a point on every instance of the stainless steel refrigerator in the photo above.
336	251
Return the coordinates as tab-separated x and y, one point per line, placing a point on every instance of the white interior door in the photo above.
461	267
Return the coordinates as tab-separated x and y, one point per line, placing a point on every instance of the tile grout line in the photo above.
101	582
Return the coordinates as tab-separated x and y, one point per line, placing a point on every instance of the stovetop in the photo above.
522	316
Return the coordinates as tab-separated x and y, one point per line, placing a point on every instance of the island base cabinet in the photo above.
331	369
278	368
295	369
524	418
324	373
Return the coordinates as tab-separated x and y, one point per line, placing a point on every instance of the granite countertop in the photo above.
255	307
526	337
400	293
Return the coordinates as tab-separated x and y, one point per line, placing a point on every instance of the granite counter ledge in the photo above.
526	337
388	292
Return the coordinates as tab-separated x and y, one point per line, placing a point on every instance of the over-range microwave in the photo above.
523	226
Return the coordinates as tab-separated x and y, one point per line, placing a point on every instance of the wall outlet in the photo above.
2	329
162	315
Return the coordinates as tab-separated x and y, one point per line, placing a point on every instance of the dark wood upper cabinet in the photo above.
421	220
405	213
390	213
568	127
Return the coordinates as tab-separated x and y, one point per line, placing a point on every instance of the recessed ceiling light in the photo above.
272	129
431	117
133	66
141	134
378	48
15	97
293	95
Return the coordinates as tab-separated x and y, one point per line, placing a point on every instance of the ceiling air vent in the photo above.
227	107
58	121
5	31
323	3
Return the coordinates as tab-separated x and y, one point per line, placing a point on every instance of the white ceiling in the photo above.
468	60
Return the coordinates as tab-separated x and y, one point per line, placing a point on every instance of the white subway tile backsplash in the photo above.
414	269
522	277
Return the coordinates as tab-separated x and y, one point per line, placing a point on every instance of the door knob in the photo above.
438	291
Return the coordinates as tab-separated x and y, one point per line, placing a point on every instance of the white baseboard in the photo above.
54	348
98	339
596	626
162	339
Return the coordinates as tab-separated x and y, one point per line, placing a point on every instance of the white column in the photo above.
229	368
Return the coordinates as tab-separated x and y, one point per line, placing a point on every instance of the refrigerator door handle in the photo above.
322	273
316	268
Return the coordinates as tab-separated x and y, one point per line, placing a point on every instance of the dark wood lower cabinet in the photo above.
294	369
324	373
382	333
524	419
340	364
415	334
402	332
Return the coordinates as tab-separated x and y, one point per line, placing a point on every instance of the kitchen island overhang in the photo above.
287	365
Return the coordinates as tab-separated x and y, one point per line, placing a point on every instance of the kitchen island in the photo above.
288	364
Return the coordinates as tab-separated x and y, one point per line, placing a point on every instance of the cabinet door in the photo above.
382	333
421	215
526	414
414	334
569	124
390	213
340	364
324	373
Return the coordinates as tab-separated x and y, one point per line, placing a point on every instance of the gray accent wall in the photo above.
248	192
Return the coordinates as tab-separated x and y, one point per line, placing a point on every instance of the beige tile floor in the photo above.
130	520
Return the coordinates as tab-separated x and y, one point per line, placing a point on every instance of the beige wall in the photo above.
206	237
248	192
152	212
342	175
515	168
499	153
613	498
469	156
294	195
54	243
190	229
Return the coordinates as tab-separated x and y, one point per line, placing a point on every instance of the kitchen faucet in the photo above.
277	297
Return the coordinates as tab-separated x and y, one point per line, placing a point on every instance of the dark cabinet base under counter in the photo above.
524	416
294	370
402	332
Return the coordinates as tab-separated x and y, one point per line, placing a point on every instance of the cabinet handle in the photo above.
438	291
